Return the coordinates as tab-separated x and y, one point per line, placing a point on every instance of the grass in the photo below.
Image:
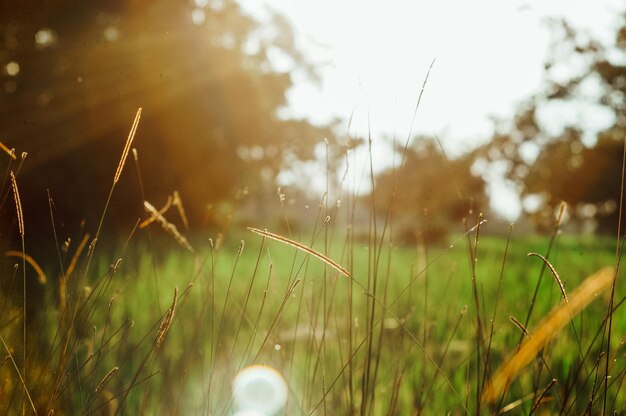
263	302
356	323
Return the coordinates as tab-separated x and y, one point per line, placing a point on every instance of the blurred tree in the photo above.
573	165
73	74
429	194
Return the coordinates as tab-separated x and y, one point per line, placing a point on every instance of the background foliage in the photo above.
77	72
571	164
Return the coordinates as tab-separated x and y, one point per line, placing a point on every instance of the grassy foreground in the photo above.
395	330
355	323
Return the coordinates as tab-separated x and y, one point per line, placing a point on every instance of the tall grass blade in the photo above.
302	247
546	330
129	142
554	274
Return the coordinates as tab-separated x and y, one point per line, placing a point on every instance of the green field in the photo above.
403	334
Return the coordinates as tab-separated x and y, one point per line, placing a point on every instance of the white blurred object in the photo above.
249	412
259	391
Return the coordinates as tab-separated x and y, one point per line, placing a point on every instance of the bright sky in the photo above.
373	57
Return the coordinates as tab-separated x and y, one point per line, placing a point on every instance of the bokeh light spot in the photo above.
45	38
198	17
44	99
111	33
12	68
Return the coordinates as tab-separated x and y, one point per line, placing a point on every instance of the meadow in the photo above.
394	329
355	320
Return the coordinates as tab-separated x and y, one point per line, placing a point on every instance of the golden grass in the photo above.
178	203
70	269
105	380
162	211
542	396
302	247
41	276
129	141
18	204
518	324
167	321
168	226
560	316
10	152
17	370
76	256
554	274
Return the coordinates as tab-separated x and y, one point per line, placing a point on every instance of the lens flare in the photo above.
259	390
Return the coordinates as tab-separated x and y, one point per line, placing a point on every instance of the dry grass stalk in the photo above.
546	330
92	246
561	215
17	370
162	211
518	324
540	399
129	141
168	226
41	276
302	247
18	204
105	379
167	321
10	152
74	261
113	267
554	274
178	203
515	404
70	269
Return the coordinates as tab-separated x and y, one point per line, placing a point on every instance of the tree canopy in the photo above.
74	73
428	193
571	164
